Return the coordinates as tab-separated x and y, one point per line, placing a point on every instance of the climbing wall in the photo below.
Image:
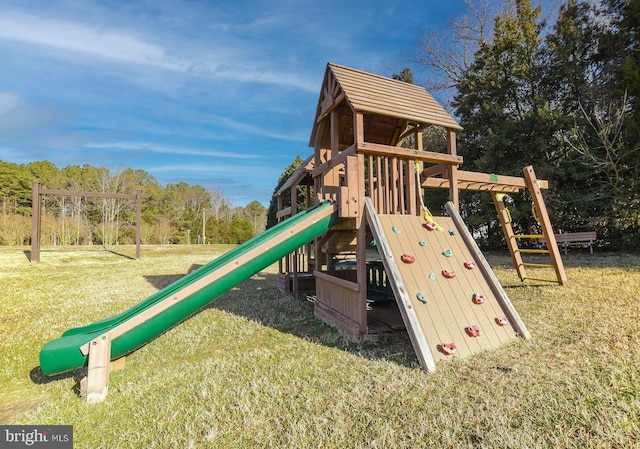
450	300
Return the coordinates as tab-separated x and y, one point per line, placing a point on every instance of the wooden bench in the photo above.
567	239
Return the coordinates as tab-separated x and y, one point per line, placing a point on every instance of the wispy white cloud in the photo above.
148	147
220	61
234	170
255	130
85	38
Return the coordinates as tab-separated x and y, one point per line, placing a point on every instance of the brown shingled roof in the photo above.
367	92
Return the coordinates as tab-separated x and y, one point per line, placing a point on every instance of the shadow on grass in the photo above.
576	258
118	254
38	376
164	280
258	299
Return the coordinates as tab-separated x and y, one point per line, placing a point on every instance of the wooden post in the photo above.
95	386
295	263
139	222
453	175
35	223
361	248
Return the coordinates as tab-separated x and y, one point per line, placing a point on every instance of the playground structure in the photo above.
369	158
367	235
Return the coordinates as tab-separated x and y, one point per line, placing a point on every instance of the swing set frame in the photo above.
36	214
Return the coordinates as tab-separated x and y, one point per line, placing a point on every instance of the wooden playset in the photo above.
368	249
369	158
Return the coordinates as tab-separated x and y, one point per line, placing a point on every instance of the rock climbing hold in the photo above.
478	298
396	230
452	232
429	226
373	243
407	258
470	265
449	274
447	253
432	276
421	298
422	243
502	321
472	331
448	348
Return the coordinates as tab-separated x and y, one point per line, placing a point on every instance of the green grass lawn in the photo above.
256	369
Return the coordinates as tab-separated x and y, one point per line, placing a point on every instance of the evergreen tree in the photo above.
507	122
286	199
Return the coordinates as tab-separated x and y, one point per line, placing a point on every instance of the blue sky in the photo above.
216	93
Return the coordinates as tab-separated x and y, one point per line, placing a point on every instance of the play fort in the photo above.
365	249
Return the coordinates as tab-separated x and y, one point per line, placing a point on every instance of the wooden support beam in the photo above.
404	153
122	196
95	385
453	169
330	107
414	130
286	212
443	183
479	181
358	128
434	170
337	159
35	223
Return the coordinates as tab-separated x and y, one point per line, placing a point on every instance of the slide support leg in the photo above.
95	385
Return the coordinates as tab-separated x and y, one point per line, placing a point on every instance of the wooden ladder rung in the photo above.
540	265
528	236
555	281
533	251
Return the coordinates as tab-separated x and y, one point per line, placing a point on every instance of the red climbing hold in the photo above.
478	298
472	331
429	226
449	274
448	348
502	321
470	265
407	258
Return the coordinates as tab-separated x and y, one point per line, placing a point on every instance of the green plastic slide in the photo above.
63	354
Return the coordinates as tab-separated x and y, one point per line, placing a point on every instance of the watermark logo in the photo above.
36	437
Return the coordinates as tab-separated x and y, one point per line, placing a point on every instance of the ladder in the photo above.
547	234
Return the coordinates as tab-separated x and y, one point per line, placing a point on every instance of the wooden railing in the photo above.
384	173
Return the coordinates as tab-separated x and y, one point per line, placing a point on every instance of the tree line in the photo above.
561	94
175	213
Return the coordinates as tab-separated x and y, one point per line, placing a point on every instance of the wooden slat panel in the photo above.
450	308
337	303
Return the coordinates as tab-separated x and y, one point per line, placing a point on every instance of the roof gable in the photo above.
375	94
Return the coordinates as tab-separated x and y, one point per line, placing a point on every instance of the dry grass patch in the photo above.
256	369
